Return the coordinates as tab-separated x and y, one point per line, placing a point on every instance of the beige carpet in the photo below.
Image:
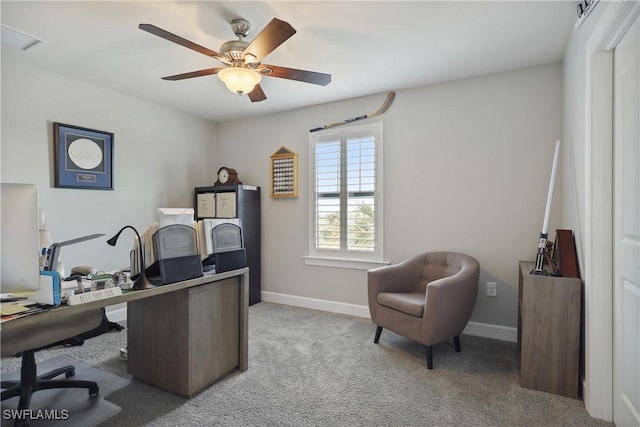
311	368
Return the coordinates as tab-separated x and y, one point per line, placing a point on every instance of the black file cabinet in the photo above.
242	202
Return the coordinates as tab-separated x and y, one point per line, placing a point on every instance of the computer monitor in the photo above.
19	224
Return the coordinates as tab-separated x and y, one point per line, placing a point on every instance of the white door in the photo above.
626	236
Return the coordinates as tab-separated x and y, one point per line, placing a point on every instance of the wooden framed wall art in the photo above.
284	173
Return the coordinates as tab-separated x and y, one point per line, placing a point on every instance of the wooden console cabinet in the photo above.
549	332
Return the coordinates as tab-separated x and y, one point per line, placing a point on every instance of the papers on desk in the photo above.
11	311
204	239
205	233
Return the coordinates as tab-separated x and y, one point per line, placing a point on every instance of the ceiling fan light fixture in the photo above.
243	60
239	80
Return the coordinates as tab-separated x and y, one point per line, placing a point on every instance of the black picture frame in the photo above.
83	158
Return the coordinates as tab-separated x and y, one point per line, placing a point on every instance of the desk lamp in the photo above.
140	282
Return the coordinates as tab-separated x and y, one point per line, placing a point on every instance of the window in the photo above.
346	202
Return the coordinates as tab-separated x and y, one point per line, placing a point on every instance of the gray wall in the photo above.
159	156
466	168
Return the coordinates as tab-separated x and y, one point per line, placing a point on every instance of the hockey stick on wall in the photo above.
382	109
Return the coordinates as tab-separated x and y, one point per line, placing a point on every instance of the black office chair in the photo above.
33	337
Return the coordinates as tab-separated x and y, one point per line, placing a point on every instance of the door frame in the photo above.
598	269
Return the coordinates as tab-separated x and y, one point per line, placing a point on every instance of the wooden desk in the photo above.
549	332
182	337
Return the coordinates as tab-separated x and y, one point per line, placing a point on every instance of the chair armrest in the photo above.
399	277
449	303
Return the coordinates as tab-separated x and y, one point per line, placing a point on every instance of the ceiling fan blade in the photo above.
192	74
257	95
300	75
156	31
273	35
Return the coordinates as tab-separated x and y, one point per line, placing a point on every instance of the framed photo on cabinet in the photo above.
226	205
206	205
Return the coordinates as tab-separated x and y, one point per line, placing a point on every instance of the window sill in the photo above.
357	264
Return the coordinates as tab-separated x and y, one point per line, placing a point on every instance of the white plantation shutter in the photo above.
346	171
360	195
328	182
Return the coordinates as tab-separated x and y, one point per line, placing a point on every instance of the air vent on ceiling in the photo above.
19	39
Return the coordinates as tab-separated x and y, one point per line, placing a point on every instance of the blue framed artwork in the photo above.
83	157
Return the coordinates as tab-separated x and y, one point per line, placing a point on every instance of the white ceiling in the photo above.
367	46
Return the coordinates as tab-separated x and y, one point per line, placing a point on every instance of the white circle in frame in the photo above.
85	153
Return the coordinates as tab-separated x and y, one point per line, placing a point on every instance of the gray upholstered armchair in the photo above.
428	298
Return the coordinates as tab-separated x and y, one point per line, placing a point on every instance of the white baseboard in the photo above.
118	313
489	330
317	304
486	330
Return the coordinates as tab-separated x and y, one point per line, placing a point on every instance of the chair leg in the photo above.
68	371
9	384
429	357
378	332
92	386
456	343
29	382
28	378
12	389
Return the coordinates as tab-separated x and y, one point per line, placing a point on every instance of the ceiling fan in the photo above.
244	68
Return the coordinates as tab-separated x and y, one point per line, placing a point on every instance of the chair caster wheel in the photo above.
70	374
93	391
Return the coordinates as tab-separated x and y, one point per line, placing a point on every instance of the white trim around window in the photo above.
345	188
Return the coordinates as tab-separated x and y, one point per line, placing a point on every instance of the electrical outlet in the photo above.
492	289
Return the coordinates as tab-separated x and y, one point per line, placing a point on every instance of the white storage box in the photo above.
170	216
